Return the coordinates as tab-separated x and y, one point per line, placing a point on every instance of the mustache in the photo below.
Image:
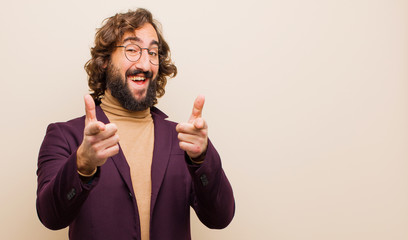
147	74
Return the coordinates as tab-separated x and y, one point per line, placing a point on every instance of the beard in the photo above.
119	88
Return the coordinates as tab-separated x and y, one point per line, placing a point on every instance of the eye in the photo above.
132	49
153	52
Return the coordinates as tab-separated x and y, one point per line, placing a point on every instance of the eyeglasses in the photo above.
133	53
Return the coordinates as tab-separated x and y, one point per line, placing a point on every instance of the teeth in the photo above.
137	78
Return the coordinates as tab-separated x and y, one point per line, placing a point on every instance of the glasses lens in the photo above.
154	55
132	52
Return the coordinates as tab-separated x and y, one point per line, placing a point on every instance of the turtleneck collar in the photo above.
111	105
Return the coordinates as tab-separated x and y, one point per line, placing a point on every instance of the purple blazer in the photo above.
107	209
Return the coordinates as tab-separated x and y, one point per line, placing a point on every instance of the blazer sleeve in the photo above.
60	191
212	197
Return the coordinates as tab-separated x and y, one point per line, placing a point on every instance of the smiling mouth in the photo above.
137	79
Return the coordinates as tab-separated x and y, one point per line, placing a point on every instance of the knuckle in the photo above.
93	139
181	145
88	139
203	136
116	148
196	149
180	136
100	156
94	148
92	142
113	127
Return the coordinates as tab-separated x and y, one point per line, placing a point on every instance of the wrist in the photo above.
199	159
84	169
87	174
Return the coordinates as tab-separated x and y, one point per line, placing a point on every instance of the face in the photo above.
133	83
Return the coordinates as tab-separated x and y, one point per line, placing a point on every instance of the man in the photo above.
141	185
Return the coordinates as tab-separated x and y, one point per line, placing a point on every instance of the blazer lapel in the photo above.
119	159
161	152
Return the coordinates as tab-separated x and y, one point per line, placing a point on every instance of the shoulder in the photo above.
76	123
70	132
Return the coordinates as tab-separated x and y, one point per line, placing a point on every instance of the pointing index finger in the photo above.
89	108
197	108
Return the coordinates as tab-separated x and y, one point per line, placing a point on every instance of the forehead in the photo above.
145	35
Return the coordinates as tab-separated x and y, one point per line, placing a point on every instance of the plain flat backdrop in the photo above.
306	101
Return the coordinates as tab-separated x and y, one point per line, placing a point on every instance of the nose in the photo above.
144	62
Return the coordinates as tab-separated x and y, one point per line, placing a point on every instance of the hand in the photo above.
193	135
100	141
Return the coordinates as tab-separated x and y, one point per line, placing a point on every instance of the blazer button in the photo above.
204	180
71	194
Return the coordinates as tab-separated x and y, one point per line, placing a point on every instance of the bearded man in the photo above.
141	185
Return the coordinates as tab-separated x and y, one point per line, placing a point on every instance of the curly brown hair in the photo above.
106	39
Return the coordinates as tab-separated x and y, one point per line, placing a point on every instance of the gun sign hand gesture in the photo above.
100	141
193	135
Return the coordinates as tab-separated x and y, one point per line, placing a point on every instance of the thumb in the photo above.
89	109
197	108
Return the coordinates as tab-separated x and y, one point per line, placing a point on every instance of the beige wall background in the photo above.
307	102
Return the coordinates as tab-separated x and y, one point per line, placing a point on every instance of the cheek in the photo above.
155	71
123	69
120	63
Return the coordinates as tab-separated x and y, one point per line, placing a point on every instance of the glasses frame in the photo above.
141	52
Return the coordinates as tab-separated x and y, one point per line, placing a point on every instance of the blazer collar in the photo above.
157	113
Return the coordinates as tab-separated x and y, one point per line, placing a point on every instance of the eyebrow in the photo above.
134	38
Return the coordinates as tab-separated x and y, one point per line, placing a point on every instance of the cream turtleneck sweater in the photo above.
136	133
